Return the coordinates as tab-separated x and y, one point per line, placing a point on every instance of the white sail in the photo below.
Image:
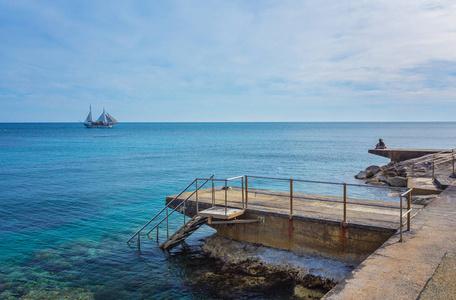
104	121
111	119
89	117
102	118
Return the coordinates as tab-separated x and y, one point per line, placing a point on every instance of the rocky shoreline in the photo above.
393	174
249	266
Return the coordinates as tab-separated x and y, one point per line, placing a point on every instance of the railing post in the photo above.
196	184
213	195
400	205
167	228
409	206
291	199
157	232
413	168
184	211
226	196
345	204
139	242
433	167
246	192
452	154
242	192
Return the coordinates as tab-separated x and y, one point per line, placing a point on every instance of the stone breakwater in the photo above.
393	174
310	277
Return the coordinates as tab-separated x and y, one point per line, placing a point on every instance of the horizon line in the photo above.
30	122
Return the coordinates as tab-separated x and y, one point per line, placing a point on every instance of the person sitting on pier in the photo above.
380	145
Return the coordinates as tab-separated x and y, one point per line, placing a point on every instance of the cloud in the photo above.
151	59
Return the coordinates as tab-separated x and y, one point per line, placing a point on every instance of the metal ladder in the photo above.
168	214
184	232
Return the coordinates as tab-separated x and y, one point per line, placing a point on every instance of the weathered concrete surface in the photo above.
316	225
402	154
423	186
401	270
442	285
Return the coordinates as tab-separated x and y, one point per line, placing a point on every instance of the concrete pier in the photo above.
421	267
398	155
316	226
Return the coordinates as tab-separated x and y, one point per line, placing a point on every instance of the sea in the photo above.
70	197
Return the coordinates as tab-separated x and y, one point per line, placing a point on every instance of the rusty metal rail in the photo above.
435	160
406	192
244	180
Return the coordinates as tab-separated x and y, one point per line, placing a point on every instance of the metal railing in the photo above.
225	187
433	161
138	233
182	204
406	192
206	180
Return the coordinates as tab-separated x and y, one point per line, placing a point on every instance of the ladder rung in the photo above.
185	231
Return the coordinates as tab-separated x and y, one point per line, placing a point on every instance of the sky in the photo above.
228	61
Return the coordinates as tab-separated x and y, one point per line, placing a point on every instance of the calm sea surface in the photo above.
70	197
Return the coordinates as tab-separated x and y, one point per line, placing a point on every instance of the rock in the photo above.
371	171
275	265
375	181
361	175
383	178
397	181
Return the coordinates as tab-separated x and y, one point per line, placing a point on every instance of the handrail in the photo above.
218	179
163	209
435	159
180	204
333	183
429	157
406	192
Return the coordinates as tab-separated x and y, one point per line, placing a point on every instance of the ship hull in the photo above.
97	126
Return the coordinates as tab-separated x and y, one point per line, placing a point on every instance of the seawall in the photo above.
404	270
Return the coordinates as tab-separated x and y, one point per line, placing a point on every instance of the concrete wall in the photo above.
352	243
398	155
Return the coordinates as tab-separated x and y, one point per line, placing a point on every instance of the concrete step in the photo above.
444	181
423	186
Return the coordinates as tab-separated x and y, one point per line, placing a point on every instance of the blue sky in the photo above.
172	61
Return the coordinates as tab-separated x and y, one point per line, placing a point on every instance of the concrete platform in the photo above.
398	155
315	228
221	213
402	270
362	212
423	186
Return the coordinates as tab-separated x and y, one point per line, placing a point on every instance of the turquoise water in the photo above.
70	197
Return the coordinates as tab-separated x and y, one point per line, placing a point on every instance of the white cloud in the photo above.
279	53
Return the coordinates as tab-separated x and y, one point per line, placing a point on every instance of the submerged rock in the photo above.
375	181
361	175
302	292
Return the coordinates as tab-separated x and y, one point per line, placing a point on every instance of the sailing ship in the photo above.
104	121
